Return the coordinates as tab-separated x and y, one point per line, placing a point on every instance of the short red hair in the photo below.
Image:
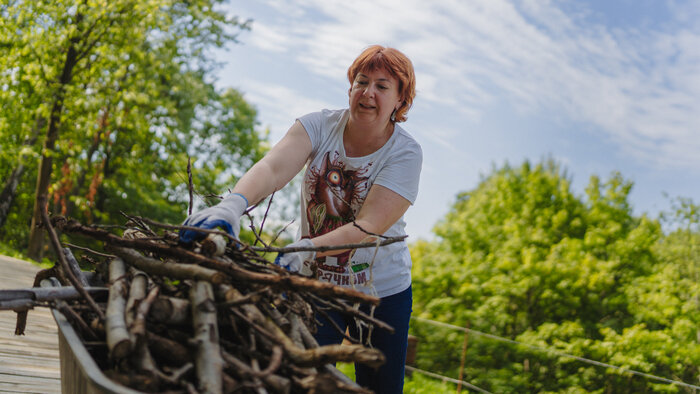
395	63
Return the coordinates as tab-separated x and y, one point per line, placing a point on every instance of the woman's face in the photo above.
373	96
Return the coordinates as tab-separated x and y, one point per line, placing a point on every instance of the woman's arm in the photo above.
381	209
278	167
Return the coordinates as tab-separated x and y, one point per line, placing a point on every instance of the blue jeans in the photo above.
394	310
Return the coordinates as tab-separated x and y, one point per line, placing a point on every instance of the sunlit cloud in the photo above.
282	105
641	88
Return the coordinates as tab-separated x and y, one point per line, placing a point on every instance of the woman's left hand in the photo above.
293	261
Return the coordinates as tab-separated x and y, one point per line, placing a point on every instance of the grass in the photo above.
7	250
414	384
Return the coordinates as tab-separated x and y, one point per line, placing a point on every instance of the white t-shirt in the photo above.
333	190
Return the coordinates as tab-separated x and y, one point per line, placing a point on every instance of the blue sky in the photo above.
599	86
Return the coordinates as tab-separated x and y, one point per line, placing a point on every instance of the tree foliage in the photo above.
523	258
103	102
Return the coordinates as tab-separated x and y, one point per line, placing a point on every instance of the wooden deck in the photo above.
29	363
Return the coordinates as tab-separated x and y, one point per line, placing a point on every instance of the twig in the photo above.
249	298
74	317
140	224
354	223
279	383
189	184
96	253
252	228
62	259
262	223
387	241
311	357
352	311
281	231
335	325
260	389
74	267
192	228
287	281
139	324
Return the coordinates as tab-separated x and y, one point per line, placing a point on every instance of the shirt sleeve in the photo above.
401	173
313	124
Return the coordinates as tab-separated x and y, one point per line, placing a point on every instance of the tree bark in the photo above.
209	363
118	339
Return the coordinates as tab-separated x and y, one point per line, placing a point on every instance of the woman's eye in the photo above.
382	87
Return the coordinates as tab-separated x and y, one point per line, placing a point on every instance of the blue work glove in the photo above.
293	261
226	214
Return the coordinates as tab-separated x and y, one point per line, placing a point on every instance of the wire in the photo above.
556	352
448	379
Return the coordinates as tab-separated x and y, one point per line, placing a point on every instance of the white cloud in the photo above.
269	38
279	105
641	87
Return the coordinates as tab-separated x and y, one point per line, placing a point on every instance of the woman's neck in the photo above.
364	139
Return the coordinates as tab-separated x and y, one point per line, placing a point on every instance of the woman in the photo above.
362	175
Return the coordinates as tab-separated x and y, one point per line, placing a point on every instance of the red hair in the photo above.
395	63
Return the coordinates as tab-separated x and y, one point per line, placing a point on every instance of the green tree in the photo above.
112	98
524	258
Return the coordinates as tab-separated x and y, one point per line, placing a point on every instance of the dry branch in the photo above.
41	295
74	267
292	282
137	292
276	383
62	259
118	341
309	357
206	335
171	270
171	310
216	318
214	245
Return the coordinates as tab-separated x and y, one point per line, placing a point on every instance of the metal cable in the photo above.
448	379
556	352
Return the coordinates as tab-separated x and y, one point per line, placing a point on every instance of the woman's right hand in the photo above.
226	214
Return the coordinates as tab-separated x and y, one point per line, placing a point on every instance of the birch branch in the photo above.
118	341
206	334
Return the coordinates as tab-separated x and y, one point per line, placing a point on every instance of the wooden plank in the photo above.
15	384
29	372
30	363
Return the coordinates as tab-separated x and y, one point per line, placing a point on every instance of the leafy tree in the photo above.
112	98
524	258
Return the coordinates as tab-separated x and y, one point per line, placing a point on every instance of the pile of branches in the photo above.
214	316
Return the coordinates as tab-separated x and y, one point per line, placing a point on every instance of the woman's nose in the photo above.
369	92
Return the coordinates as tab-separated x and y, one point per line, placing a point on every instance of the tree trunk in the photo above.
9	191
80	183
36	235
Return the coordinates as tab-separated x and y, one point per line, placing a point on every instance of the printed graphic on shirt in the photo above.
335	196
345	279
